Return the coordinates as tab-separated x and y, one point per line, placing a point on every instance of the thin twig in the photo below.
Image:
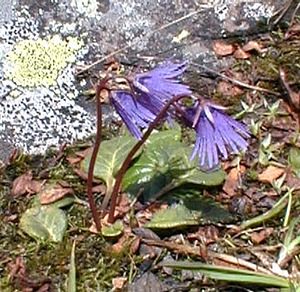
282	11
124	48
235	81
131	154
196	251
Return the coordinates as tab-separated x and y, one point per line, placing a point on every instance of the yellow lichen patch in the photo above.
34	63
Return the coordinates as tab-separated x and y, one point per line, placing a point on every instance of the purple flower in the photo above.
134	115
217	134
156	87
149	93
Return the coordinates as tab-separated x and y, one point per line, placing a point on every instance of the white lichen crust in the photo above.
40	119
38	92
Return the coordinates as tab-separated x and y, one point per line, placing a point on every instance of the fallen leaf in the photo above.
18	274
252	46
223	49
123	206
292	181
206	235
84	175
53	192
241	54
259	237
292	31
270	174
232	180
119	283
229	89
24	184
79	156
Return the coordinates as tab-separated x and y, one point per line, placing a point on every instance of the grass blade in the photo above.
231	274
72	273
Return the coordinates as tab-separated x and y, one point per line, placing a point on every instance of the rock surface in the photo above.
41	104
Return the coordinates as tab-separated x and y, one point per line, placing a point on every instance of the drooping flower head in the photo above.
217	134
154	88
134	115
148	93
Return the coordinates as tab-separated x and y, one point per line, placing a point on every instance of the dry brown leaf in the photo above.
241	54
259	237
292	31
79	156
229	89
252	46
54	192
93	228
84	175
205	235
135	245
119	283
19	276
292	181
223	49
123	206
270	173
232	180
24	184
74	159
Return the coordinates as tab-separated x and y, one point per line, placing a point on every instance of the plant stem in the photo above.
131	154
91	200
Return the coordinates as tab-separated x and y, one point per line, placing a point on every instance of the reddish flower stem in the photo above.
100	86
131	154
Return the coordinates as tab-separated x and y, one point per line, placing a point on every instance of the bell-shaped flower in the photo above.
217	134
154	88
134	115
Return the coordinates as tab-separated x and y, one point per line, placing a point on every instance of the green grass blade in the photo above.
231	274
277	208
72	273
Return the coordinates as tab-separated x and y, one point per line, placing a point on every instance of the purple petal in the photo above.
216	134
162	82
134	115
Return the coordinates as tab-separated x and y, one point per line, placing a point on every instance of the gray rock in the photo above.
6	11
34	117
148	282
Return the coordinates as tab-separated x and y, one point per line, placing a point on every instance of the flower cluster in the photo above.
217	134
149	93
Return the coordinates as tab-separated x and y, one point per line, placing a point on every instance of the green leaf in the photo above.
64	202
231	275
72	273
44	223
294	160
164	166
111	155
173	217
114	230
154	169
164	137
208	210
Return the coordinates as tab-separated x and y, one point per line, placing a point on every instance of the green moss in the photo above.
96	264
34	63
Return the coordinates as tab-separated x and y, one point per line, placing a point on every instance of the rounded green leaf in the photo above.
111	155
44	223
113	230
173	217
